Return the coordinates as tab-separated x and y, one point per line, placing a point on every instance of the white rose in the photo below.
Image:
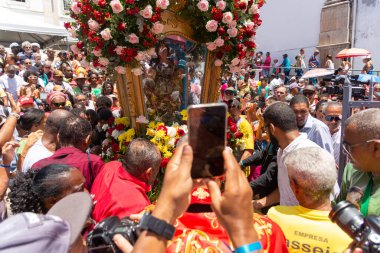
172	132
137	71
104	61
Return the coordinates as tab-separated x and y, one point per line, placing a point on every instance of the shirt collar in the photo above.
309	122
125	175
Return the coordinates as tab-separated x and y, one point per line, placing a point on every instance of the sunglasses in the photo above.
59	104
333	118
229	93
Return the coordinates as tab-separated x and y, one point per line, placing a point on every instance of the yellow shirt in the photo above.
308	230
246	129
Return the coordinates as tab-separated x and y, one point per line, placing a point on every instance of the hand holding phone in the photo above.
207	137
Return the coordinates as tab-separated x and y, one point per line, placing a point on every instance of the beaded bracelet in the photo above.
248	248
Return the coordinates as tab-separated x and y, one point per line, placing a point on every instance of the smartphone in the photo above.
207	125
43	96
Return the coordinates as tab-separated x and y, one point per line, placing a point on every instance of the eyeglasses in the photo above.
347	146
229	93
29	63
333	118
59	104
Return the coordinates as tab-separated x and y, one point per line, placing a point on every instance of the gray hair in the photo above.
330	104
367	124
25	43
313	170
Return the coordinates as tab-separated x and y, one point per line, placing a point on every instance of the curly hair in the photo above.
29	191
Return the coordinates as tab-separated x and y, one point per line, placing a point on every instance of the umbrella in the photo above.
317	72
367	78
352	52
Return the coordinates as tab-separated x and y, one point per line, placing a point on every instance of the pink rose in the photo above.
84	63
93	25
157	28
120	70
227	17
243	62
211	46
97	52
162	4
133	39
72	33
103	61
218	62
234	69
119	50
219	42
203	5
140	56
212	25
137	71
106	34
147	12
75	8
75	49
254	9
232	24
221	5
151	52
250	25
235	61
232	32
95	1
116	6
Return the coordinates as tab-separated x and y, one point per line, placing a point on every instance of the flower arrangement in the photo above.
116	33
234	137
118	135
227	27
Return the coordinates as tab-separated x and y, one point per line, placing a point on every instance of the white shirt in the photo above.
318	132
49	87
11	85
36	153
336	144
287	197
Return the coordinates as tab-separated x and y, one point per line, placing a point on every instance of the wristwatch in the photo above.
15	115
157	226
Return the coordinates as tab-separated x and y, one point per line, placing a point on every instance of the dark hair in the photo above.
55	120
280	115
93	117
299	99
29	73
29	190
104	114
141	155
104	88
319	104
103	101
77	111
30	117
74	131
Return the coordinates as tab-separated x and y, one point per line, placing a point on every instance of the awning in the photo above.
42	33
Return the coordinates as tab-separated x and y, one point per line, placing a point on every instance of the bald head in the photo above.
56	120
366	124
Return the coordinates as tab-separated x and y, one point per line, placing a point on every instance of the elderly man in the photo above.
36	48
315	129
281	93
361	142
58	80
333	118
120	189
27	52
11	82
307	227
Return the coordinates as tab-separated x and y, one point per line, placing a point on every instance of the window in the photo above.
66	5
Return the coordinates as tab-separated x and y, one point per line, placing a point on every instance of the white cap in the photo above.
14	44
35	44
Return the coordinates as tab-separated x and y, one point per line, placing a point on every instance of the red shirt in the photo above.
118	193
89	165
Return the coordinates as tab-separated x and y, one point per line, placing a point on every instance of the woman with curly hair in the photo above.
38	190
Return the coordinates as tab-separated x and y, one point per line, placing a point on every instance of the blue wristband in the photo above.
248	248
5	166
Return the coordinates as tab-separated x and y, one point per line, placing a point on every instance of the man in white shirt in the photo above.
316	130
58	80
281	126
47	145
11	82
333	119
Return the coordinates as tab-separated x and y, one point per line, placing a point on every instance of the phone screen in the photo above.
207	136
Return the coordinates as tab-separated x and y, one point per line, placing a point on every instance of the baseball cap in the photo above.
58	73
293	85
35	44
14	44
54	232
230	89
24	100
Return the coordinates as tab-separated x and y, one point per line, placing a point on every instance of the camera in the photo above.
364	231
100	239
336	84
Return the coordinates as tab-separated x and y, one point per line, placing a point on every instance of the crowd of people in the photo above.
276	195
